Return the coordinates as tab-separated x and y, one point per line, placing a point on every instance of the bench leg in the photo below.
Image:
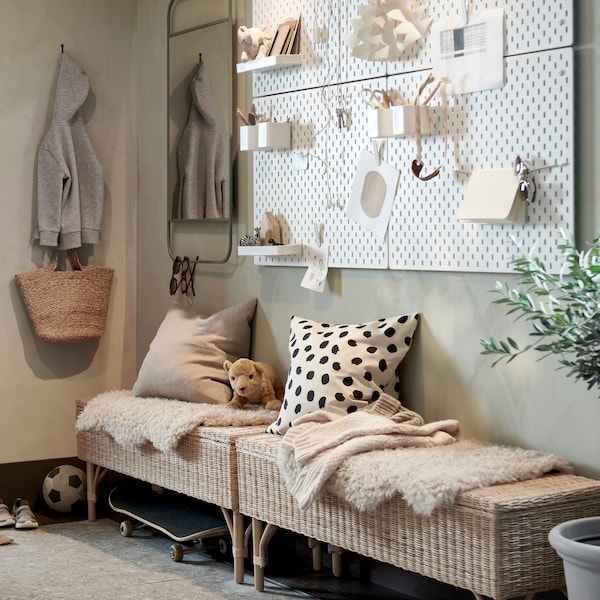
260	544
317	553
239	547
336	559
239	550
94	475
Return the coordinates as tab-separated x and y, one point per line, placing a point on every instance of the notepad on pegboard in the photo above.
493	196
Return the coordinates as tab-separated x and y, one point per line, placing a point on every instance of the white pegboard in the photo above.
318	194
529	27
531	115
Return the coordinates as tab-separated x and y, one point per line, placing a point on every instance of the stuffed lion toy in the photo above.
254	382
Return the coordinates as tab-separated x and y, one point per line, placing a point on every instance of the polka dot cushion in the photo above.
342	367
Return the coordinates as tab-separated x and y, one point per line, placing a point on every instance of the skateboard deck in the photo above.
179	517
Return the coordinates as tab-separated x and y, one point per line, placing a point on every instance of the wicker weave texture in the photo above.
202	466
492	541
67	306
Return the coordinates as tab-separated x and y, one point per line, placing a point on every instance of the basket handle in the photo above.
73	260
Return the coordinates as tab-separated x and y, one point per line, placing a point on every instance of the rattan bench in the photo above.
203	466
492	541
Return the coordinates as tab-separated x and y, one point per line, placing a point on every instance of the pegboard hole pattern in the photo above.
531	115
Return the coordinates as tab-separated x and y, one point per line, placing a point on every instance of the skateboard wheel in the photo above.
176	552
223	546
126	528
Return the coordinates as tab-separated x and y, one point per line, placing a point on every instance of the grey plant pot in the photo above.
577	542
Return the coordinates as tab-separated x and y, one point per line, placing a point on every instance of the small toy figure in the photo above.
251	240
254	41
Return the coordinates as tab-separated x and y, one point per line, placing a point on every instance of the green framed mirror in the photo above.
199	76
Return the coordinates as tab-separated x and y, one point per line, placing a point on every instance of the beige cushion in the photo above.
185	359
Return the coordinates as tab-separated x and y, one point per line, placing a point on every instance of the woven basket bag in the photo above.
67	306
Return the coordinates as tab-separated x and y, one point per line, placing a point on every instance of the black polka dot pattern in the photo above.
342	367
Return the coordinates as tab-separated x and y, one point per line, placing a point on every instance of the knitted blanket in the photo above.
318	443
133	421
428	470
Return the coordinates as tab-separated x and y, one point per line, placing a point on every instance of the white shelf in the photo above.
283	250
269	62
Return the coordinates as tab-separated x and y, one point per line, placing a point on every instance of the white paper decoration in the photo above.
385	28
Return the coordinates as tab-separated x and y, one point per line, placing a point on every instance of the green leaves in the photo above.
564	309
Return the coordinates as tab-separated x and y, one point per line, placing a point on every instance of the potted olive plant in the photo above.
564	312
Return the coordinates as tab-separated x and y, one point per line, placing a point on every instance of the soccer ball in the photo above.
64	489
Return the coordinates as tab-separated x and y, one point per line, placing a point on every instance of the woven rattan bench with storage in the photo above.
492	540
343	462
202	466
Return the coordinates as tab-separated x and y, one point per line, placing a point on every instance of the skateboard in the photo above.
183	519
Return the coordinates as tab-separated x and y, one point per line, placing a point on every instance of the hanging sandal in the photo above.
24	515
6	519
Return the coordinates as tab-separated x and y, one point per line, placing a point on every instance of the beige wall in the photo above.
121	44
40	382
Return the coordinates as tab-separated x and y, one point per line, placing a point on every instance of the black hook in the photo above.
199	57
62	48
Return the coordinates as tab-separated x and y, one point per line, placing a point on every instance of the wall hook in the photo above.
62	48
199	57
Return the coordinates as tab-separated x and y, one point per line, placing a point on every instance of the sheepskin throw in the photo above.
428	478
133	421
371	455
320	442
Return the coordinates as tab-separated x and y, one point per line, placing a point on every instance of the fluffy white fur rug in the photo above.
132	421
428	478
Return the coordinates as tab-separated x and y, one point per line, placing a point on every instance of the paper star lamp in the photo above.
386	28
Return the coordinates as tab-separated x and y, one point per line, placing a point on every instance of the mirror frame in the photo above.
171	183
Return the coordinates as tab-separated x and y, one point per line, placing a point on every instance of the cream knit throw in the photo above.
318	443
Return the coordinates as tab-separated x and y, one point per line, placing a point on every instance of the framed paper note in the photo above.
373	193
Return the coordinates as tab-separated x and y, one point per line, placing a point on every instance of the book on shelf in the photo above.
279	40
286	40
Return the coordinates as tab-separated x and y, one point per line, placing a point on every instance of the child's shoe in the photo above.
6	519
24	515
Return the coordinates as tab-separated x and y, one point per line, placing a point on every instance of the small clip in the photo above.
464	13
319	233
379	151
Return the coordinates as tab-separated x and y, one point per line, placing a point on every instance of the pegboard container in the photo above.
399	121
265	136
